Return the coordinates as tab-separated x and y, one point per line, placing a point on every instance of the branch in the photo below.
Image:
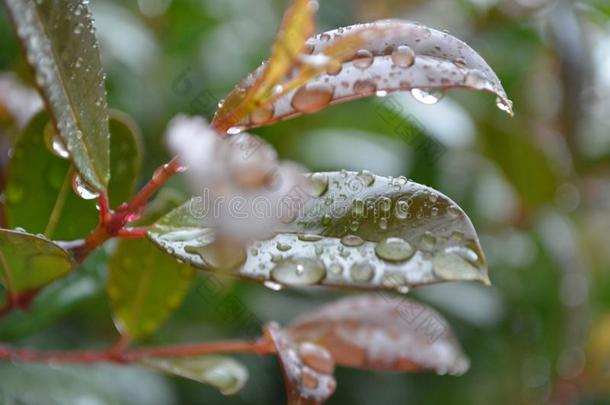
260	347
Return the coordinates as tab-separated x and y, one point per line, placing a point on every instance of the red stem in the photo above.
260	346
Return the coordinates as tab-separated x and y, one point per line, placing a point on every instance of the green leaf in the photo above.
224	373
39	195
348	229
29	262
58	37
145	286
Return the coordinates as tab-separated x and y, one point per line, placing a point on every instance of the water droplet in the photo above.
82	189
220	255
365	87
476	80
299	271
453	211
262	114
272	285
309	237
367	177
312	97
427	96
352	240
54	142
506	106
334	68
362	271
427	241
394	249
403	56
459	62
283	247
363	59
318	184
452	266
316	357
393	280
235	130
335	269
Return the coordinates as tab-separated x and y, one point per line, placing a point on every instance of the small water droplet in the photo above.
476	80
82	189
309	237
235	130
311	98
54	142
362	271
425	96
367	177
272	285
335	269
318	184
506	106
365	87
283	247
393	280
317	358
352	240
459	62
363	59
403	56
451	266
299	271
427	241
394	249
261	115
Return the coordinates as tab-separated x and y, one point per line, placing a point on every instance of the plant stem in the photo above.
260	346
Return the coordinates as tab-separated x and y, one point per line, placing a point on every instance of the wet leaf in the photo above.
58	37
376	59
347	229
29	262
383	333
297	26
307	368
223	373
144	286
39	194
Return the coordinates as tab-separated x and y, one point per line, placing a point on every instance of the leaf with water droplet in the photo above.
297	26
383	333
376	59
144	287
29	262
56	47
223	373
404	237
39	192
307	368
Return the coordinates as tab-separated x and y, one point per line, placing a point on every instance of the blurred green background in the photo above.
537	188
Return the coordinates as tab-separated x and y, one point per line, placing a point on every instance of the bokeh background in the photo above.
536	186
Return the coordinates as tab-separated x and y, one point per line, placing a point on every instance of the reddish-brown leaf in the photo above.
307	368
383	333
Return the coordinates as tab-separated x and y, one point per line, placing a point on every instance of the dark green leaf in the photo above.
58	37
224	373
348	229
145	286
29	262
39	195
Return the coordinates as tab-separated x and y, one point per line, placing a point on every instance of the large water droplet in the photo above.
403	56
54	142
506	106
82	189
352	240
362	271
394	249
363	59
452	266
299	271
318	184
476	80
427	96
311	98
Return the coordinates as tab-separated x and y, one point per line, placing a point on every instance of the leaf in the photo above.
297	26
29	262
58	37
144	286
376	59
307	368
223	373
349	229
383	333
39	195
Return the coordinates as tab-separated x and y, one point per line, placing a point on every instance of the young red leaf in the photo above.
383	333
307	368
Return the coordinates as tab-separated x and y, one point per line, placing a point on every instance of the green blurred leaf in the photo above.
347	229
58	37
39	195
224	373
29	262
145	286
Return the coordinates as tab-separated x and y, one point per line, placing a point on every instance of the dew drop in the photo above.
393	280
262	115
427	96
365	87
476	80
427	241
299	271
367	177
506	106
352	240
317	358
309	237
82	189
54	142
283	247
394	249
335	269
235	130
363	59
362	271
311	98
403	56
318	184
451	266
